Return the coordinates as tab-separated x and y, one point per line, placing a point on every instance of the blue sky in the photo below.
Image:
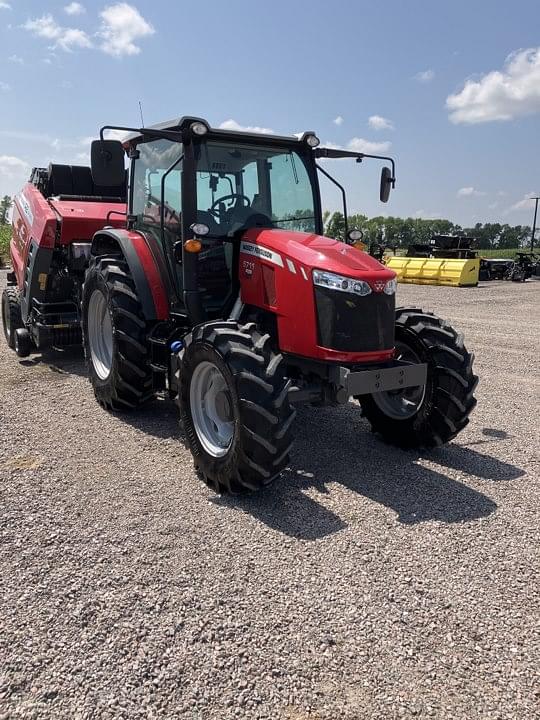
452	88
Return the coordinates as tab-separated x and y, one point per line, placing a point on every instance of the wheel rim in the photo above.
211	409
402	404
100	334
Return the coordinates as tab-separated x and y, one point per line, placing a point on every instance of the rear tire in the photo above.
448	398
250	413
11	314
115	336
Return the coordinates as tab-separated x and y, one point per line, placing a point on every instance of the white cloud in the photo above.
73	37
492	206
338	120
377	122
425	76
26	136
525	203
500	95
425	215
16	59
4	5
367	146
360	145
122	24
4	87
74	8
470	192
108	134
64	38
11	166
83	158
233	125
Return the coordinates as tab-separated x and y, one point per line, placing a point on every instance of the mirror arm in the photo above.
174	135
344	196
382	157
332	153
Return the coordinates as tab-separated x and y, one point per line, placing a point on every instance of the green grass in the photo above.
506	253
5	237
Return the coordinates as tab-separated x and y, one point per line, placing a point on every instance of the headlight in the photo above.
391	286
340	283
199	229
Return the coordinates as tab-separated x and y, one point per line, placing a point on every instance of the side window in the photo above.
250	179
292	193
153	162
211	186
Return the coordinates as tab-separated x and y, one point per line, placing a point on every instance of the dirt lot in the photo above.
367	583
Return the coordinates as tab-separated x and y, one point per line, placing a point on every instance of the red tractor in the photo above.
216	285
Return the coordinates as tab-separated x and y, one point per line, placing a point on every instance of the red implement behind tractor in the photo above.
216	285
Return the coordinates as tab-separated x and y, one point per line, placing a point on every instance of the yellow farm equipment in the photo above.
435	271
447	260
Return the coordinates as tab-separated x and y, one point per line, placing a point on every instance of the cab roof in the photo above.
184	122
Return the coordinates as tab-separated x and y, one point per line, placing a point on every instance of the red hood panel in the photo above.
317	251
80	220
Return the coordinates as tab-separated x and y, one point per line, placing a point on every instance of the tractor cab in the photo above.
196	190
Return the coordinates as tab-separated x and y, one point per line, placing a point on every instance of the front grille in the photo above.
352	323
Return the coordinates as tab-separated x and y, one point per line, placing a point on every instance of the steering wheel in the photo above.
246	202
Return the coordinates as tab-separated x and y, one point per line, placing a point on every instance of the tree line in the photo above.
5	204
402	232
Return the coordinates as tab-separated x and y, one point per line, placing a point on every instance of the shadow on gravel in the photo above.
334	445
158	418
69	361
460	457
331	449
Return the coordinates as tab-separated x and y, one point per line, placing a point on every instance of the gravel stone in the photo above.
368	582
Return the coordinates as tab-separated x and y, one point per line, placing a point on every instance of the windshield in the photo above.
241	186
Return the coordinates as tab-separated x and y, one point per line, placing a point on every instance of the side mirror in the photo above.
387	182
107	160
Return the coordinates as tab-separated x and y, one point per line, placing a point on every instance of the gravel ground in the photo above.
367	583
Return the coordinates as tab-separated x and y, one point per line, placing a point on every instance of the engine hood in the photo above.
317	251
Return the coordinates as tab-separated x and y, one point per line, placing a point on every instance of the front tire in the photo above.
234	406
114	336
11	314
435	414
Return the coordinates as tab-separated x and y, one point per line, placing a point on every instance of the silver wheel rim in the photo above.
402	404
211	409
100	334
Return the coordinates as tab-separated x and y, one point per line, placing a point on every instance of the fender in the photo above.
144	267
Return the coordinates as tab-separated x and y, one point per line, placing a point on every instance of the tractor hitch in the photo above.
397	376
341	383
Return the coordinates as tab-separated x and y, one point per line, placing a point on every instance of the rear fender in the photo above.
34	285
145	269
